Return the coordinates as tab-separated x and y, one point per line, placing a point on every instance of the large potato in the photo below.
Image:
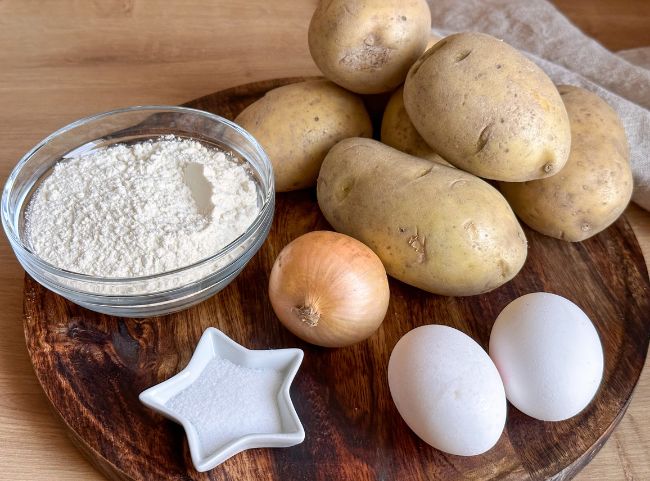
368	46
298	123
595	185
398	132
434	227
487	109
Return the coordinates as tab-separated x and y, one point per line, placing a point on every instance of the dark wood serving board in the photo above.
92	366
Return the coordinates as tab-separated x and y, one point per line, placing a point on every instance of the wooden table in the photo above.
63	60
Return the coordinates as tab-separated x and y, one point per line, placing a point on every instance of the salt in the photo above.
226	402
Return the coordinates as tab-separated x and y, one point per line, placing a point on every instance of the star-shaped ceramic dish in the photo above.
214	344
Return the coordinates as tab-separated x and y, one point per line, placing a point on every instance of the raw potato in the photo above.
398	132
437	228
298	123
594	187
368	46
433	39
487	109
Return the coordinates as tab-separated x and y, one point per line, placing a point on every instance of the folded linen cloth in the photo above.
568	56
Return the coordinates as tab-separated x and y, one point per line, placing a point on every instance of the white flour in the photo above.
141	209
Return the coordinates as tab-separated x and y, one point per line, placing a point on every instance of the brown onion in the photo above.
329	289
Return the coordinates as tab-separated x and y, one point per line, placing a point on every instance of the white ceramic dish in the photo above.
215	344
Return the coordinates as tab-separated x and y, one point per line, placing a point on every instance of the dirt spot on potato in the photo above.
369	57
416	242
471	230
504	269
345	190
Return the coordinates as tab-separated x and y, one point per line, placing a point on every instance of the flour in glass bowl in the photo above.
140	209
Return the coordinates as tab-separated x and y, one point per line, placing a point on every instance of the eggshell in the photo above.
549	356
447	390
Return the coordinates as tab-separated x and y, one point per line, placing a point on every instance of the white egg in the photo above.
549	356
447	390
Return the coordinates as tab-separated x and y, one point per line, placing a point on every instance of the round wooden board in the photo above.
92	367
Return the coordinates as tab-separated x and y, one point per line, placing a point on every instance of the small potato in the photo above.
487	109
298	123
398	132
437	228
368	46
595	185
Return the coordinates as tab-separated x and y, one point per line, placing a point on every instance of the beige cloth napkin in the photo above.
569	57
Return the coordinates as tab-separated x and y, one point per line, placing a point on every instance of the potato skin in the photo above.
487	109
298	123
433	39
595	185
397	131
437	228
368	46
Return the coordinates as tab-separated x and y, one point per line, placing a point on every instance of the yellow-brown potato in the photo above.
595	185
437	228
368	46
433	39
487	109
298	123
397	131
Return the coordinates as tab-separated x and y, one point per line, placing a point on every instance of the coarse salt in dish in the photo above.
228	395
230	398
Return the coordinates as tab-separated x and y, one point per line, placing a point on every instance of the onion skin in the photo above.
329	289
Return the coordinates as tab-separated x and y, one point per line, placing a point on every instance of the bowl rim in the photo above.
17	242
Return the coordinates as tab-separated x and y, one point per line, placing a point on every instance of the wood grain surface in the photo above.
92	367
61	60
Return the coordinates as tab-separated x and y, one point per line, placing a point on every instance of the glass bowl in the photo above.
155	294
